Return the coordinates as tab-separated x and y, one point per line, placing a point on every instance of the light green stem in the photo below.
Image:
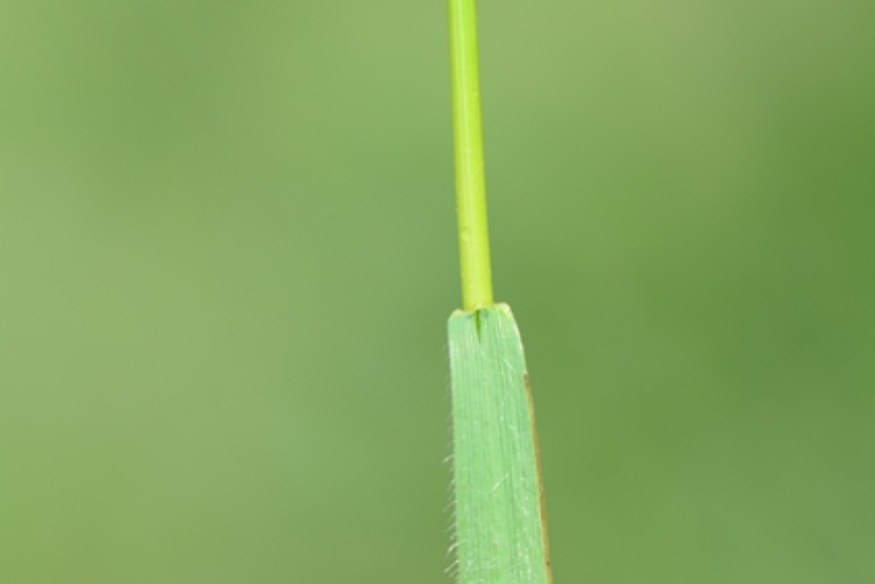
470	175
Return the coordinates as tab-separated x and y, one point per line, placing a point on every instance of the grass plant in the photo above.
500	520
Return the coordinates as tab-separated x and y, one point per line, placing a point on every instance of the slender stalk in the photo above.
470	175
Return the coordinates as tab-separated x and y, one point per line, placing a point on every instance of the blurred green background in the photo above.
227	256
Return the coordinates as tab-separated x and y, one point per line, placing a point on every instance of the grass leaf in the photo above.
501	535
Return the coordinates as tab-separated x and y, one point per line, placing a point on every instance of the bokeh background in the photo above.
227	256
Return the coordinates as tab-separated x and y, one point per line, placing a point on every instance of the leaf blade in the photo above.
501	535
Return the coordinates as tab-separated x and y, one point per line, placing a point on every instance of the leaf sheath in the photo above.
501	535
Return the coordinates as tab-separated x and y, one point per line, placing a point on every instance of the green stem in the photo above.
470	175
